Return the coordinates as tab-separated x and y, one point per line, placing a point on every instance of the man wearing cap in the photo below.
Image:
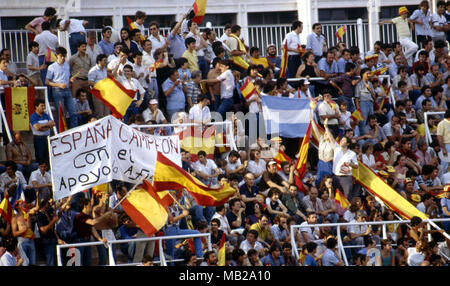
154	113
294	48
402	23
443	136
271	179
304	92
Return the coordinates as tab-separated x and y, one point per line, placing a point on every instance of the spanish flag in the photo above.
379	188
221	139
284	60
340	198
248	89
169	176
113	95
379	71
155	65
193	139
281	157
49	56
303	153
198	11
133	26
6	209
19	105
146	209
340	32
62	125
221	252
357	115
317	133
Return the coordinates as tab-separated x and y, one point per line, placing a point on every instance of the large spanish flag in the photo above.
284	60
169	176
6	209
379	188
146	209
19	105
114	95
248	88
194	139
303	153
199	10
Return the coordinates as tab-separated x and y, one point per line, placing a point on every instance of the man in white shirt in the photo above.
33	67
41	181
148	61
46	40
357	232
220	215
115	67
294	48
309	234
76	30
251	242
205	169
158	41
343	162
199	113
154	113
316	42
439	23
92	48
131	83
328	109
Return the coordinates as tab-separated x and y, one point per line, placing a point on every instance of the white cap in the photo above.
153	101
306	82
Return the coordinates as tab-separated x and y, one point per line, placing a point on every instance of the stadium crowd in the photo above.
192	72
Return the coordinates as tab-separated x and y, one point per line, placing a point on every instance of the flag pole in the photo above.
131	190
176	201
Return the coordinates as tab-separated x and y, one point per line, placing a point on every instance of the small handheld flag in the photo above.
340	32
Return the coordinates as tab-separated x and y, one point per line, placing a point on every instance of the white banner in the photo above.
107	149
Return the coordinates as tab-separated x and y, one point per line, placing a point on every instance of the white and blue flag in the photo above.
287	117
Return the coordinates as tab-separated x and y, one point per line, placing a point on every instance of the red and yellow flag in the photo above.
19	105
199	9
221	139
340	32
379	188
114	95
155	65
303	153
193	140
318	132
133	26
62	125
49	56
146	209
221	252
248	88
357	115
169	176
281	157
6	209
340	198
284	60
379	71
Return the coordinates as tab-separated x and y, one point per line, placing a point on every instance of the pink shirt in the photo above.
37	22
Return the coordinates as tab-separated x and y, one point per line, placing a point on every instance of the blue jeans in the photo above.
26	170
170	243
226	105
74	38
366	110
64	96
443	163
203	65
27	250
323	168
50	251
102	255
85	252
128	250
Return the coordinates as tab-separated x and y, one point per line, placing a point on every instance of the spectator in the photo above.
257	59
439	23
97	73
274	258
35	25
40	126
176	40
11	256
316	43
41	182
331	255
157	40
76	30
106	45
253	259
18	152
421	19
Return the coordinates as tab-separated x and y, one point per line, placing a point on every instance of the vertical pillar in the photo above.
308	14
360	35
1	35
373	8
117	19
242	20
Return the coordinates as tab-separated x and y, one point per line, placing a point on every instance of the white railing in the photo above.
338	226
110	245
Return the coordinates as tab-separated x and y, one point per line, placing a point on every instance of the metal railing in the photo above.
110	245
342	247
259	36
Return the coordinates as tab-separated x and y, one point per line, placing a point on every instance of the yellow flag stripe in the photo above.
19	101
148	207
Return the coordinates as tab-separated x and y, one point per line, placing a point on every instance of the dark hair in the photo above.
189	41
315	25
61	51
82	202
80	90
252	252
45	26
33	44
140	14
38	101
415	220
401	83
133	32
331	243
9	243
439	44
128	67
106	29
363	71
254	232
296	24
100	58
310	246
236	253
201	153
153	23
235	28
349	66
11	164
272	192
49	11
269	86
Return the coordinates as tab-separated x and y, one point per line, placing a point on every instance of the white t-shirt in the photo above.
293	42
32	60
138	70
133	84
37	176
414	258
326	109
197	114
256	168
8	259
46	39
340	158
75	26
206	169
148	115
357	229
369	161
226	84
312	234
438	21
